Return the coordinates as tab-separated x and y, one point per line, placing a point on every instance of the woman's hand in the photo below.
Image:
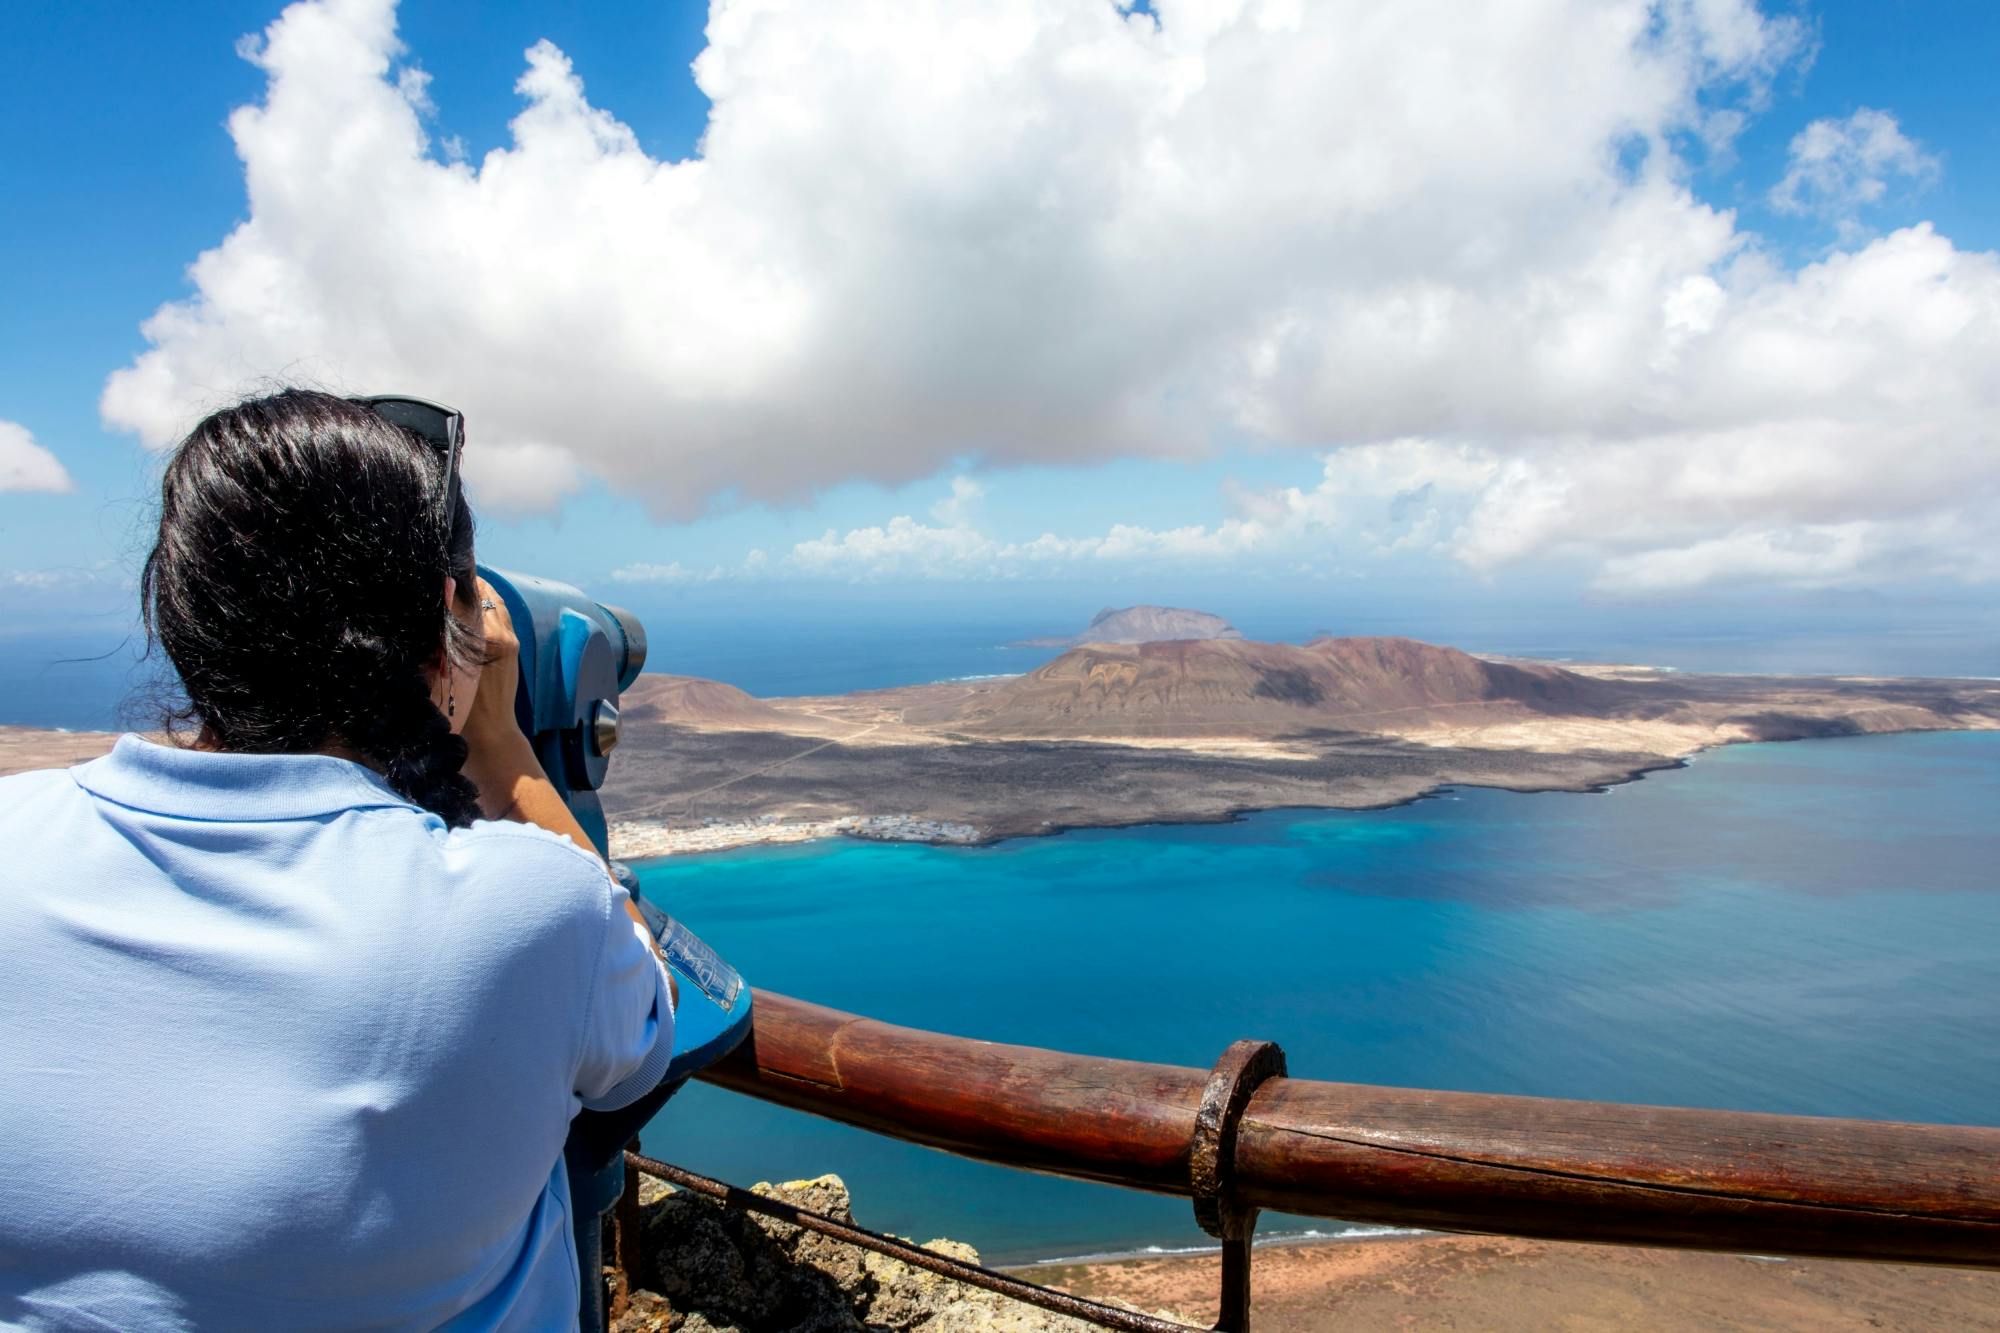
491	734
502	764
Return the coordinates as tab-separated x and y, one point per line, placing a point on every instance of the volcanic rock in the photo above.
691	701
1143	624
712	1269
1220	686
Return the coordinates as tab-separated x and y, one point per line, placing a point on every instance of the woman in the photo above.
291	1037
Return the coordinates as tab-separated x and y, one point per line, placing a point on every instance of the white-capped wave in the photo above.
1311	1235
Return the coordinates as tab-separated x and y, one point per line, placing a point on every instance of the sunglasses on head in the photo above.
440	426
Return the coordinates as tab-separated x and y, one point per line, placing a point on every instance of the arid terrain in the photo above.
23	748
1111	734
1496	1284
705	1266
1184	730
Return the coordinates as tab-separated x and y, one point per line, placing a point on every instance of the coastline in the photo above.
641	839
1340	1233
649	839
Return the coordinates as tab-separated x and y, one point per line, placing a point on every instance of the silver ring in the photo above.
488	604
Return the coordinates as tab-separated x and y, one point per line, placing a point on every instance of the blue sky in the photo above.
891	345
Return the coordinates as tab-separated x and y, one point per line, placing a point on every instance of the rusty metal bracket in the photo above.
625	1250
1240	1071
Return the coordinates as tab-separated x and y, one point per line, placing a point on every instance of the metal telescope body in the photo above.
577	655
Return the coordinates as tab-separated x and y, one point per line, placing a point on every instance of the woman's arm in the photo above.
501	762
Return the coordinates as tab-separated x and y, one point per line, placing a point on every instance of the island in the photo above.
1141	624
1199	730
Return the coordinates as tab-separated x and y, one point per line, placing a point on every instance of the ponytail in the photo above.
389	716
297	585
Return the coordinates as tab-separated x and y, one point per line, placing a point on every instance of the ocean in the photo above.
1810	928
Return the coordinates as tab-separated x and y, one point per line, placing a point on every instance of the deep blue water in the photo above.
1808	928
82	679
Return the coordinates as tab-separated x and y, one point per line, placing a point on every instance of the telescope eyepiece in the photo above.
604	727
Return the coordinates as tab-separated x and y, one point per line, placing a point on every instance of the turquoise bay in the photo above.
1809	928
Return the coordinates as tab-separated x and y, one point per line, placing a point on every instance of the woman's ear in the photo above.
441	668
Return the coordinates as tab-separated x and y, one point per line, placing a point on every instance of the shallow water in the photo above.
1809	928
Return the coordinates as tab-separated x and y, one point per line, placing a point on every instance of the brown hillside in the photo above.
1225	686
691	701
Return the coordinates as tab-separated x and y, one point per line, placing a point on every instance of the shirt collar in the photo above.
204	784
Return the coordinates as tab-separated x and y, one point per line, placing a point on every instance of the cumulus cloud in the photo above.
674	572
644	572
902	546
1836	167
1370	500
1654	514
1055	230
962	504
36	580
67	580
27	466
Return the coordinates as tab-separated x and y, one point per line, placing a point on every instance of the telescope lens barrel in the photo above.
635	643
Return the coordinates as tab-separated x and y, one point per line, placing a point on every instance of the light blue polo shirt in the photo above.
280	1051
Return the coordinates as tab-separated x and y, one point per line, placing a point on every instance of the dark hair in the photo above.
297	585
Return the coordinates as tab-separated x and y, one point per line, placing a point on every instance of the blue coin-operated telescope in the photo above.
576	657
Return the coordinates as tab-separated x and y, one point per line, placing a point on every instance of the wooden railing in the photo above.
1243	1137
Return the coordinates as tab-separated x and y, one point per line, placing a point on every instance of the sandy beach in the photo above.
639	839
1499	1284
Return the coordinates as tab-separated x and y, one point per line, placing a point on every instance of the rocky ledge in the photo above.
709	1268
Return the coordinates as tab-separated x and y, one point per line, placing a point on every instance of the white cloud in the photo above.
37	580
68	579
902	546
962	504
1371	500
1838	166
674	572
1812	556
1897	474
27	466
671	572
1046	230
1651	514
